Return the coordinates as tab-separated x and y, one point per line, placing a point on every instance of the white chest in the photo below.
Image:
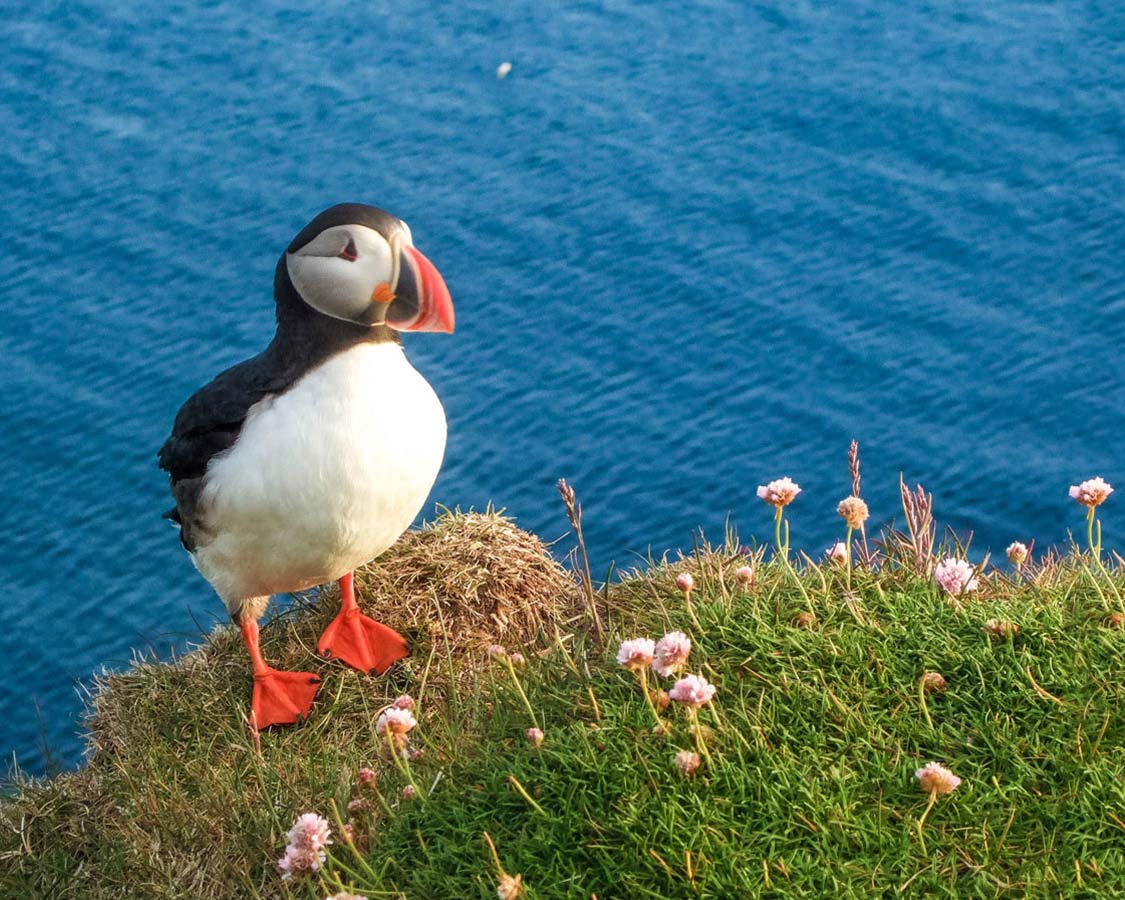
324	477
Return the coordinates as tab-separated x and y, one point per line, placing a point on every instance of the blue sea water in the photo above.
692	246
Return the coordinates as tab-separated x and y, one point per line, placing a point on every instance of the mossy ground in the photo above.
814	737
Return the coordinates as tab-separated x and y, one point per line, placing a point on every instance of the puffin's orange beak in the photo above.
422	301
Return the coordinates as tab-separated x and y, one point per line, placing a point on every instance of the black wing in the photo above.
207	424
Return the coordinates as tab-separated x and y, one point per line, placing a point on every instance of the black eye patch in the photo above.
349	252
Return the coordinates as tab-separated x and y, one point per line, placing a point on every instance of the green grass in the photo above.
814	737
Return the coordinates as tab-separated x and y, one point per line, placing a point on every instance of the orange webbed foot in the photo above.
361	642
281	698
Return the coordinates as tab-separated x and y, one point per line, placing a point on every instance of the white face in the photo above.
348	272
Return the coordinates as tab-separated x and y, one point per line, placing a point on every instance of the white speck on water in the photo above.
503	69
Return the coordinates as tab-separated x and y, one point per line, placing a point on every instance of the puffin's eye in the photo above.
349	252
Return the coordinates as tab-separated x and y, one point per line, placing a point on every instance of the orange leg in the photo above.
355	639
280	698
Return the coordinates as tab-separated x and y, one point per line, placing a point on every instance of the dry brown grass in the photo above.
477	578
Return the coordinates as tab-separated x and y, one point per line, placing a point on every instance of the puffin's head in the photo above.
358	263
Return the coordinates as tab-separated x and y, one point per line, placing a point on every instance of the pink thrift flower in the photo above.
955	576
1091	492
636	653
517	659
671	653
780	492
366	775
345	896
936	779
509	888
416	752
535	735
1017	553
299	861
308	837
310	830
744	575
692	690
396	721
409	792
853	511
687	762
685	582
838	552
497	651
404	701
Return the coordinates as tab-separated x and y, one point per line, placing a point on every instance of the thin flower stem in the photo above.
648	697
519	687
700	744
777	531
848	560
402	765
922	701
500	873
691	610
922	821
1090	532
347	842
515	782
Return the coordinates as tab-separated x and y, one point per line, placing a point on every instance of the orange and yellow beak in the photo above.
420	300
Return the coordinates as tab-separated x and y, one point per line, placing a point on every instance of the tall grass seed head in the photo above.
1017	553
779	492
955	576
636	653
853	510
1091	492
934	778
687	762
671	653
692	690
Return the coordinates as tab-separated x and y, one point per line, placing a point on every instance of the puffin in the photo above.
298	465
